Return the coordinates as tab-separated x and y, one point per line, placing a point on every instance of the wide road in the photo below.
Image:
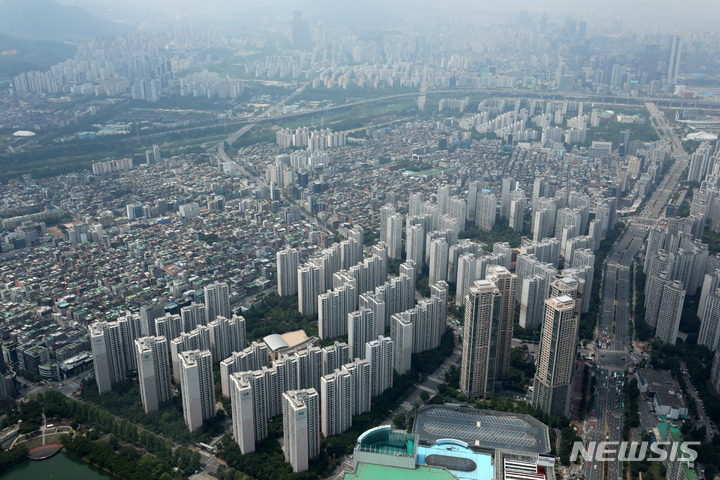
613	352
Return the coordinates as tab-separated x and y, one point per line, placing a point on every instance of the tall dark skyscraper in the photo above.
300	32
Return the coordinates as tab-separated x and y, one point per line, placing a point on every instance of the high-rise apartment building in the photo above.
517	210
710	322
485	211
169	326
438	260
336	393
309	284
197	387
227	335
196	339
556	364
380	352
415	243
248	398
108	355
333	308
401	331
153	363
394	233
362	328
483	306
130	329
301	427
670	312
148	314
254	357
287	266
360	375
506	283
217	301
334	356
193	315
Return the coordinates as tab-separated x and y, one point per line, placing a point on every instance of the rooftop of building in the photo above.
369	471
664	386
458	458
482	429
385	440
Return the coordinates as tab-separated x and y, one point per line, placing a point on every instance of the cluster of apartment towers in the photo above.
321	389
351	295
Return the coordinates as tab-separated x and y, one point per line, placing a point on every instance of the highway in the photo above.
510	93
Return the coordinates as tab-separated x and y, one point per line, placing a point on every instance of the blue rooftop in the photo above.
460	460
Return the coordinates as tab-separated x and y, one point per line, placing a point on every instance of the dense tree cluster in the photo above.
11	457
426	362
124	401
277	315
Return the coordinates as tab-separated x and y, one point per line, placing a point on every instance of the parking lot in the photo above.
482	428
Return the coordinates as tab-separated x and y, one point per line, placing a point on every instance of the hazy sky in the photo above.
677	15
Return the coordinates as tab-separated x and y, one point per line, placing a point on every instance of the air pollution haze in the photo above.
468	239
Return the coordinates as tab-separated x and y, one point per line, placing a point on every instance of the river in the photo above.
62	466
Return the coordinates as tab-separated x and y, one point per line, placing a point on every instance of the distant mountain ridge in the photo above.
17	55
50	20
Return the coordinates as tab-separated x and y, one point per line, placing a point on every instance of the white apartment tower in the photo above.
710	322
485	211
108	355
362	328
401	331
301	427
227	335
336	393
287	266
153	363
192	316
249	414
130	329
415	243
380	352
394	232
438	260
197	387
217	301
308	278
671	307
